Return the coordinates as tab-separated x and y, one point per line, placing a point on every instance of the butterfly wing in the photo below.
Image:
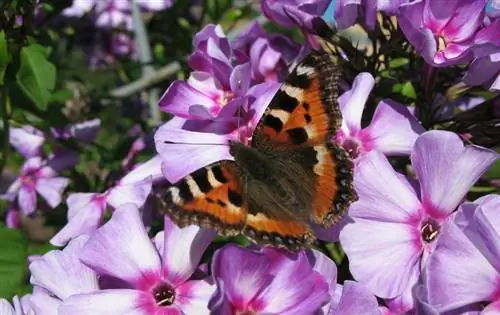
210	197
305	113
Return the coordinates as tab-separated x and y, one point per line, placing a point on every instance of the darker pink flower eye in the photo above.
164	294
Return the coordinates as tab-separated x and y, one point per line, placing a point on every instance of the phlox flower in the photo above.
265	282
155	277
216	104
444	32
85	131
86	210
485	71
20	306
464	269
393	129
59	274
40	176
346	11
394	225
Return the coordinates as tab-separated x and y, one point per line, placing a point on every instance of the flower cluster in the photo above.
421	238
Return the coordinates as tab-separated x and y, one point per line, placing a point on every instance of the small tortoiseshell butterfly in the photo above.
290	176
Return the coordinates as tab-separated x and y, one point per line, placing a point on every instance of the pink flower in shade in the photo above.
346	11
393	129
86	210
464	269
399	223
58	275
85	131
265	282
155	279
27	140
39	176
444	32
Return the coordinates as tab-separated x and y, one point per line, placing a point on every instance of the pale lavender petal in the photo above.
180	96
27	200
239	79
6	308
261	95
457	274
51	189
12	191
393	129
31	165
59	161
121	247
447	170
25	142
105	302
295	289
243	272
466	20
192	297
62	273
368	255
355	299
384	195
134	193
346	12
43	304
326	268
352	106
85	215
149	169
330	234
437	14
183	248
492	309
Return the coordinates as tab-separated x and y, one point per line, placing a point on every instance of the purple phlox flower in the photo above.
140	144
393	129
291	13
446	111
400	219
58	275
79	8
215	105
493	10
444	32
464	269
346	11
40	176
155	5
265	282
27	140
269	55
85	131
485	71
156	279
20	306
349	298
86	210
12	216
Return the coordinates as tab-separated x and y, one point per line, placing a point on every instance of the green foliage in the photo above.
4	56
13	259
37	75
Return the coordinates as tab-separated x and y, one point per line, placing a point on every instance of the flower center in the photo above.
352	147
28	181
441	43
164	295
225	98
429	231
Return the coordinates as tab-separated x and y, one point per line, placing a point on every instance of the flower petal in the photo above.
447	170
457	274
244	273
62	273
393	129
25	142
352	102
183	248
6	308
43	303
325	267
193	296
356	299
27	200
383	195
134	193
122	248
51	189
180	96
368	255
105	302
151	168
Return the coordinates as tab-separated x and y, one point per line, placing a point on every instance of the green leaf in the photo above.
408	90
398	62
4	56
13	257
37	75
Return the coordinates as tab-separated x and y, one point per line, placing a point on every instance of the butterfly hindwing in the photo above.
210	197
304	110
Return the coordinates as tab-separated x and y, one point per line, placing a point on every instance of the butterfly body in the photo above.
289	178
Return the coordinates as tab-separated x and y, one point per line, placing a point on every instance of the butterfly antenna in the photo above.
238	114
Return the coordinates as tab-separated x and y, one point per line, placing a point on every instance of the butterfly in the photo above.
290	177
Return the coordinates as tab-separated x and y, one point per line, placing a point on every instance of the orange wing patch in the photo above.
334	184
211	197
290	234
305	109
